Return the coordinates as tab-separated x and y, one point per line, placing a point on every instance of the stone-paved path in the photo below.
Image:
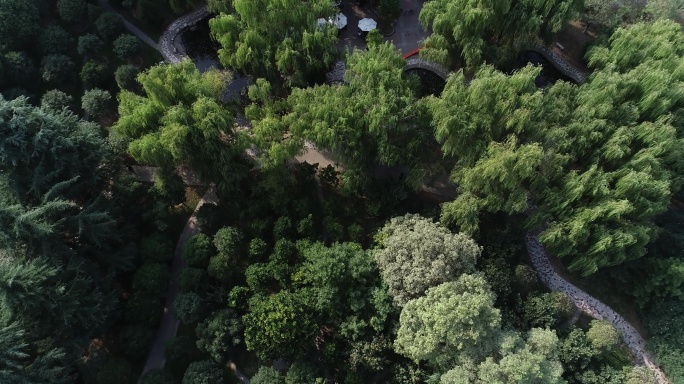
590	305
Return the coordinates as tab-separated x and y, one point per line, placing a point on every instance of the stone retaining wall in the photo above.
561	64
166	47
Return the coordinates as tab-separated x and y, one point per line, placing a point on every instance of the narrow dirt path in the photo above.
169	324
590	305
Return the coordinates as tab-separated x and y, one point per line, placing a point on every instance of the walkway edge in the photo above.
590	305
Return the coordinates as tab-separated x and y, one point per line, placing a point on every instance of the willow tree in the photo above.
373	119
181	120
490	30
269	38
599	160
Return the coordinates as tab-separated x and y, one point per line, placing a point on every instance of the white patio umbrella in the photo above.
340	21
320	23
367	24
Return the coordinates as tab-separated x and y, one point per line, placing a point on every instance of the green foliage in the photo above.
182	120
127	46
228	241
197	251
19	22
389	9
415	254
192	279
547	310
177	348
125	76
156	376
303	372
453	321
151	278
135	341
114	371
21	365
143	309
532	361
89	44
667	337
280	325
219	334
254	41
54	39
268	375
188	307
19	68
72	10
57	68
55	100
603	336
169	187
257	248
96	102
94	74
109	25
490	31
203	372
156	247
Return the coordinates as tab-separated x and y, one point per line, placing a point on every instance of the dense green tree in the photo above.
284	41
415	254
453	321
547	310
22	365
127	46
177	348
281	325
89	44
19	68
156	377
152	278
56	100
667	337
156	248
135	341
18	23
374	119
192	279
198	250
268	375
125	76
203	372
219	334
490	30
114	371
72	10
188	307
96	102
303	372
54	39
603	336
531	361
228	241
57	68
94	75
181	120
109	25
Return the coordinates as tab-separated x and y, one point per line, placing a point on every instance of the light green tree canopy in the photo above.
491	30
267	38
454	321
415	254
181	120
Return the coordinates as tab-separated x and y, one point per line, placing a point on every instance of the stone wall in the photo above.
166	42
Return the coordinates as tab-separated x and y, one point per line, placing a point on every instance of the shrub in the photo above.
19	68
55	100
94	74
125	76
203	372
56	68
72	10
89	44
151	278
188	307
228	241
55	39
267	375
127	46
96	102
109	25
198	250
191	279
156	247
257	248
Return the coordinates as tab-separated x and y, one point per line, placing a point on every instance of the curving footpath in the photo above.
166	47
590	305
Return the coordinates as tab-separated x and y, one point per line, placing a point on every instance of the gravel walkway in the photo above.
590	305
